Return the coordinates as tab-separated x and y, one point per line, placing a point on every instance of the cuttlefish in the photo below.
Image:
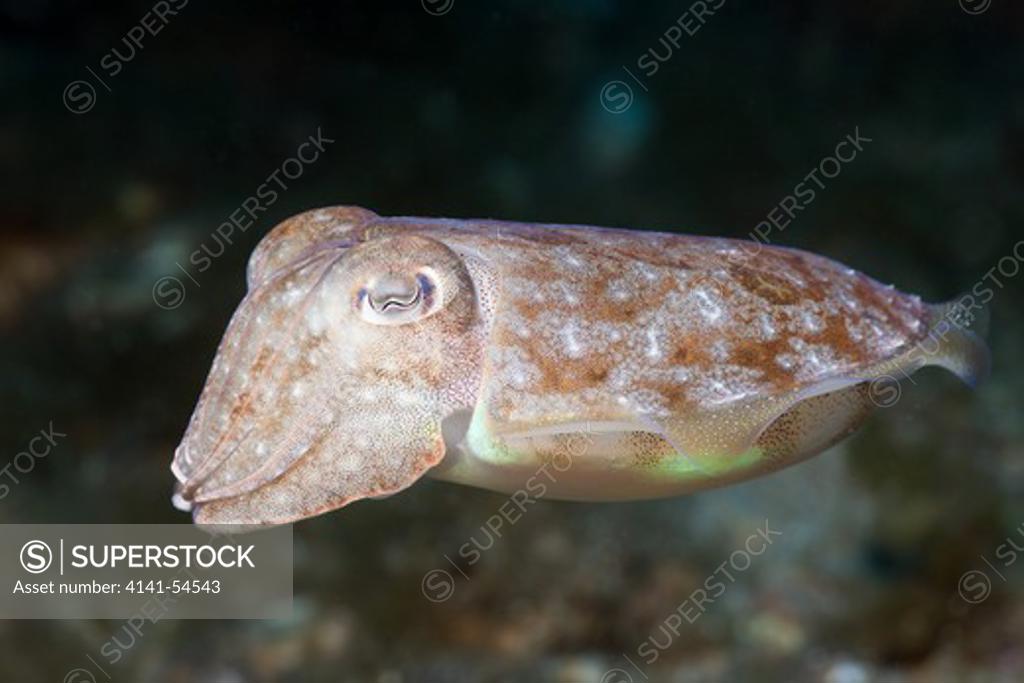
371	351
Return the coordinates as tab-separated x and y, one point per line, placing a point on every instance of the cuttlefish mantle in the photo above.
371	351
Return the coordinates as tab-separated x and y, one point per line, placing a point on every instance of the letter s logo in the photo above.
36	557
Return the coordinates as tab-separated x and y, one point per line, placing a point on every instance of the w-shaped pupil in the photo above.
381	302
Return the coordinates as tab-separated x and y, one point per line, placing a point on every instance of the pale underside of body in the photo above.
612	364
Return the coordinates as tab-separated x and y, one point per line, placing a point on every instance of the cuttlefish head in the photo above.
334	375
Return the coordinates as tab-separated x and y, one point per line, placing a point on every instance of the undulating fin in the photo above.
815	424
725	438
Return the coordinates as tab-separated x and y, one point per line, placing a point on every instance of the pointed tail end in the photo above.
956	340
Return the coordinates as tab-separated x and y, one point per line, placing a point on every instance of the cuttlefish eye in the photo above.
398	299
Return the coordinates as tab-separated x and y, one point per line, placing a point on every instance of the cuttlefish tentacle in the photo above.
372	351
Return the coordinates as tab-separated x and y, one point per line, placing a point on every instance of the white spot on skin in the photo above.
812	322
647	272
653	347
647	402
787	361
517	377
408	398
570	340
315	319
814	361
620	378
708	307
292	295
720	351
681	374
513	365
855	331
618	291
725	384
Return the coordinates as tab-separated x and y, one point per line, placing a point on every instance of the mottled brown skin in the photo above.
681	350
